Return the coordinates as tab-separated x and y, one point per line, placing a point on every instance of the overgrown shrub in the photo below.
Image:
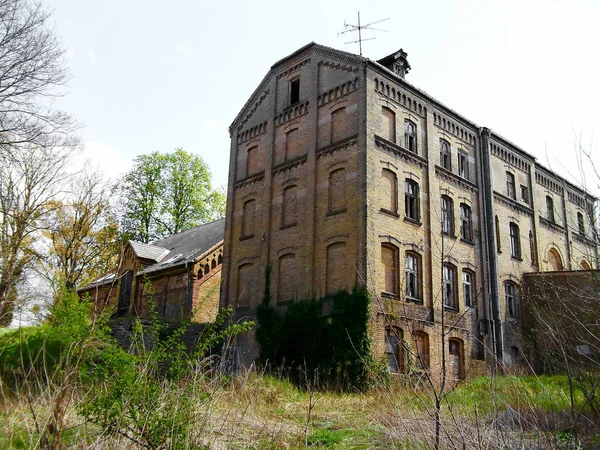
324	350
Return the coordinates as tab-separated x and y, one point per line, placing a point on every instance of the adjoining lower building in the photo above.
344	174
179	276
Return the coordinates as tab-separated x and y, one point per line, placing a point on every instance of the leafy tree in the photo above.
167	193
81	233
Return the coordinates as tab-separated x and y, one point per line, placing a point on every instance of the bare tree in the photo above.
32	70
30	178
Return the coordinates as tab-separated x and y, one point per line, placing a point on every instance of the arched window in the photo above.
510	186
394	350
411	199
449	287
245	285
287	277
555	260
413	277
447	215
248	219
468	285
455	359
252	161
389	260
513	302
206	269
515	241
410	136
213	264
336	273
463	165
389	123
338	119
390	190
466	224
289	207
337	191
220	259
422	349
292	144
445	155
584	265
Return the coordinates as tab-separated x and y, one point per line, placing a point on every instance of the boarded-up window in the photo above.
338	125
249	218
293	147
390	191
389	260
252	161
245	285
422	349
289	206
287	278
455	359
337	191
554	260
336	271
389	124
394	350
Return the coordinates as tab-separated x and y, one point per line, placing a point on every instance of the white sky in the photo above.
156	75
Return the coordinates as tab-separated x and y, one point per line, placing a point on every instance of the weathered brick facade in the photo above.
342	173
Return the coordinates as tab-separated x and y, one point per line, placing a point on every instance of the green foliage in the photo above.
148	394
167	193
326	351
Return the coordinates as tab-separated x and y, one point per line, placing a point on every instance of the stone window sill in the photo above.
385	294
337	211
288	225
468	242
245	238
390	213
415	300
413	221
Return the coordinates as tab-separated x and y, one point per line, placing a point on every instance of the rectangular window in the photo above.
512	300
410	136
580	223
393	338
510	185
447	215
468	288
524	194
413	277
389	259
449	287
445	155
411	200
294	91
466	226
515	240
463	165
549	208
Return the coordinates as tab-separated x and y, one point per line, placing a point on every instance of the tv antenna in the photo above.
350	28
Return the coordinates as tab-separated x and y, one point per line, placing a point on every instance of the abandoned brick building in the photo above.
342	173
184	271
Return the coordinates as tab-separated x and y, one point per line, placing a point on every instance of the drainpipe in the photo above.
190	291
491	261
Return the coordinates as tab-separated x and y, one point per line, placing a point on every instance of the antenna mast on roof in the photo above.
351	28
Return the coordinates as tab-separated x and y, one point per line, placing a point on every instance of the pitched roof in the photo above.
148	251
188	245
104	280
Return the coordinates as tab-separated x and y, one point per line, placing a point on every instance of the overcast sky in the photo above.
156	75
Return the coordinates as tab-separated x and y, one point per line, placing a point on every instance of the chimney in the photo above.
396	62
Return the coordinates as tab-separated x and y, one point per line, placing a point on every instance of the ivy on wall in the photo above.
322	343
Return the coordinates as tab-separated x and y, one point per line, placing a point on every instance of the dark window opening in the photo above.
294	91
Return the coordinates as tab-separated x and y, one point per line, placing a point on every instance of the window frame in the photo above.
512	300
515	240
450	302
447	204
285	220
330	210
466	218
511	191
550	208
411	201
393	194
245	232
393	345
463	164
415	273
525	194
468	286
410	136
391	114
445	155
294	92
580	223
395	270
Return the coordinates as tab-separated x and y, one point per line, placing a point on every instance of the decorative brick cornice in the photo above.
346	143
580	239
291	112
511	158
252	179
513	204
548	182
289	164
400	96
338	66
446	175
338	92
252	133
287	72
400	152
552	226
452	127
252	108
